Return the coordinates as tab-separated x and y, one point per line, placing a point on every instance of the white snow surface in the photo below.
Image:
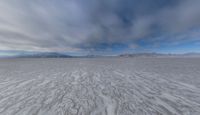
100	86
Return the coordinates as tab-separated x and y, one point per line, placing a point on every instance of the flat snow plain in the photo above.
100	86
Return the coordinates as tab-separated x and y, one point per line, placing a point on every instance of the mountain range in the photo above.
160	55
63	55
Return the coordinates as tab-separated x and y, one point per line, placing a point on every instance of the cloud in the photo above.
89	25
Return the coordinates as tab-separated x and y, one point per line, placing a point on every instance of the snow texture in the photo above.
100	86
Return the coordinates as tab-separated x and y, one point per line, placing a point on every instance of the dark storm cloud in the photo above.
80	25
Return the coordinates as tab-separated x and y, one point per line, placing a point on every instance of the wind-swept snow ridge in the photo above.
103	86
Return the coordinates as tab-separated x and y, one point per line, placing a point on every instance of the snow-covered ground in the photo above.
100	86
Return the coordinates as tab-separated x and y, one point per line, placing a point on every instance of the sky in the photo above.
106	27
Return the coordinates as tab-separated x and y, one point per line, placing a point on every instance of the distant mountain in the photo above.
192	54
160	55
62	55
141	55
44	55
95	56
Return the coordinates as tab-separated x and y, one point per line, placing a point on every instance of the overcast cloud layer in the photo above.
92	25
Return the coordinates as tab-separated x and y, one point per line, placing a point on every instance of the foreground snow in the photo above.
104	86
